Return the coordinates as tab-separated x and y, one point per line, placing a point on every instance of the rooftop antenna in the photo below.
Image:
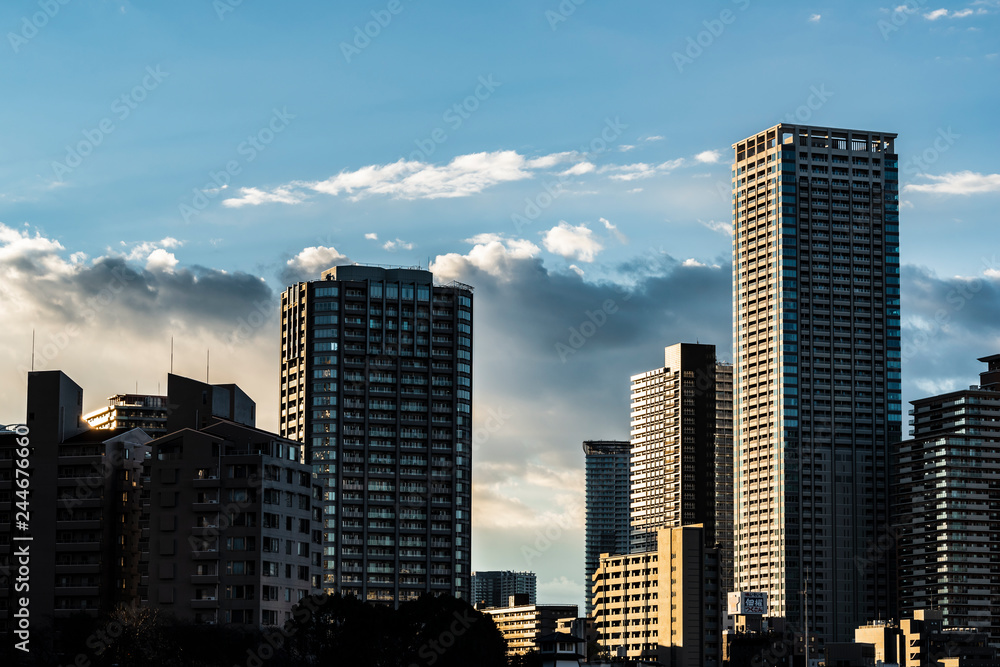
171	355
207	364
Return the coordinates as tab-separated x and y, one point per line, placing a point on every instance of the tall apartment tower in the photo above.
673	445
724	472
607	521
376	380
946	506
817	370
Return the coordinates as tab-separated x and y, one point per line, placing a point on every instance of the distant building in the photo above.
523	625
947	506
235	526
661	605
145	411
673	445
493	588
723	482
608	502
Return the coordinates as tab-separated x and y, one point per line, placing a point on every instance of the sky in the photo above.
166	169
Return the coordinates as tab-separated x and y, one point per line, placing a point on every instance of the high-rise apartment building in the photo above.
724	472
673	445
608	504
376	380
817	369
493	588
946	506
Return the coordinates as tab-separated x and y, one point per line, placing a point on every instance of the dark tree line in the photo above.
324	630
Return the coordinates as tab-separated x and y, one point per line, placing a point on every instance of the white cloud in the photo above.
631	172
708	157
579	169
464	176
572	242
625	148
161	260
634	191
144	249
491	253
576	269
718	226
371	236
398	244
256	197
958	183
655	137
614	230
312	261
815	18
548	161
957	14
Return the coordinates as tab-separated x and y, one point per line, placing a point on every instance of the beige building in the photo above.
923	641
661	605
524	624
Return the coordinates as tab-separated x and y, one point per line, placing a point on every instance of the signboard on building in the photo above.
746	603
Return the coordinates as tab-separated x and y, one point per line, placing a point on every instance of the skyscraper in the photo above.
817	369
673	445
376	380
607	529
946	508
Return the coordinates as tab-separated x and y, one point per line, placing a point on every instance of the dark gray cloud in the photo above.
947	324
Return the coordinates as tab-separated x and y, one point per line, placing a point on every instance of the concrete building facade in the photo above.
673	445
608	513
85	506
946	505
376	381
523	625
234	529
817	393
724	472
662	605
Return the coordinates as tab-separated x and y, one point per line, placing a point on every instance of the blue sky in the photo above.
425	142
